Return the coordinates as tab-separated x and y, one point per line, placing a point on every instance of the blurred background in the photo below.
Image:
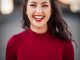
11	18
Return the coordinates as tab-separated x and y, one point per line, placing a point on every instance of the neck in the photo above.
39	30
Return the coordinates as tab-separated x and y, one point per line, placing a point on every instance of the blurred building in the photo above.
74	5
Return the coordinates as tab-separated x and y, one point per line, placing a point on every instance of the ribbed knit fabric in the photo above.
29	45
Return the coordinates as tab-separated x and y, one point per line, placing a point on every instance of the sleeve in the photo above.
68	51
11	49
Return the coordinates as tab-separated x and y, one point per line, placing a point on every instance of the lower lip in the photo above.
38	20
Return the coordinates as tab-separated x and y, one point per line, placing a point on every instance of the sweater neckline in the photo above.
37	34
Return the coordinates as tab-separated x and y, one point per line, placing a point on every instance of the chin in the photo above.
38	25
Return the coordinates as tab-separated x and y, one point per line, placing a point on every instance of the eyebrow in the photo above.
33	2
41	3
44	2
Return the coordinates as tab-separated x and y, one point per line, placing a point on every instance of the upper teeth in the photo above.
38	16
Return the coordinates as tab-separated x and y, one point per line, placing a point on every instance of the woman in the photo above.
45	35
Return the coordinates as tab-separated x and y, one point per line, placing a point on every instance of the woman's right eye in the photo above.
33	5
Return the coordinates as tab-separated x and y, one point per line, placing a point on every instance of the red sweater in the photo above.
29	45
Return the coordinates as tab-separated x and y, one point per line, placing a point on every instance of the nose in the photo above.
39	11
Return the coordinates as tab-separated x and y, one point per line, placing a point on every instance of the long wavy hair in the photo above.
56	25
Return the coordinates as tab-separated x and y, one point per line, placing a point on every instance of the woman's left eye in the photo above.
44	5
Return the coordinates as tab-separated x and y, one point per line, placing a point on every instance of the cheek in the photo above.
48	14
47	11
29	13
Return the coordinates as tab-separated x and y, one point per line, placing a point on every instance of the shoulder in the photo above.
17	38
64	43
68	44
68	50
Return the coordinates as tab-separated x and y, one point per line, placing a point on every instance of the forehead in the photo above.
39	1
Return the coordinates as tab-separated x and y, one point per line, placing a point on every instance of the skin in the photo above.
38	12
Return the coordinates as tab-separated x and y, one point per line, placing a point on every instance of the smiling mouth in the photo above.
38	18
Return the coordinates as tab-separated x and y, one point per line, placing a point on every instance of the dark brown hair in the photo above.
56	25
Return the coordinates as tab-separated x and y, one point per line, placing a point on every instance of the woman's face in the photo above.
38	12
